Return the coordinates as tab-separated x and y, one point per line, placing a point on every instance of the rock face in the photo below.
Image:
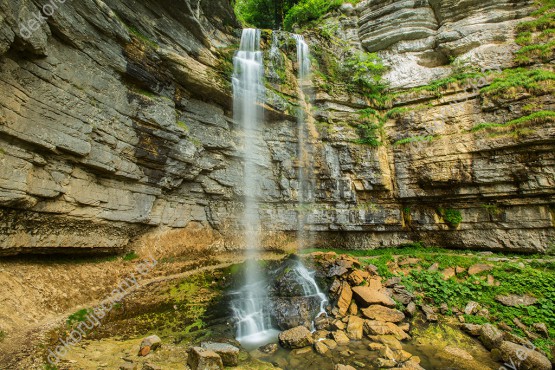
115	122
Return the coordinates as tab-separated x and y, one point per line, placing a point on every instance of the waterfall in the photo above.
310	288
250	303
305	153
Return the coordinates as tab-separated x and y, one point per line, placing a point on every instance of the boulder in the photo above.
513	300
376	346
355	328
321	348
471	308
366	296
149	344
345	297
490	336
472	329
340	338
524	357
201	359
330	343
381	313
373	327
358	277
298	337
269	348
228	353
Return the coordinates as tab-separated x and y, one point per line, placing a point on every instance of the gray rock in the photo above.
524	357
228	353
513	300
490	336
201	359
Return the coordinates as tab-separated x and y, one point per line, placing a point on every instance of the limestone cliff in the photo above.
115	128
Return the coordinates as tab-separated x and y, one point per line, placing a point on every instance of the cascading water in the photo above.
305	153
305	171
250	303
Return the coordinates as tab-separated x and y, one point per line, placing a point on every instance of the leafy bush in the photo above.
366	70
309	10
451	216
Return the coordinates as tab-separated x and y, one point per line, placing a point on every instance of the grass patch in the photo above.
511	81
543	116
77	317
451	216
130	256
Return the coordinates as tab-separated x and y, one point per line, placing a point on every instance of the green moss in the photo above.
145	39
77	317
130	256
520	78
537	117
451	216
183	126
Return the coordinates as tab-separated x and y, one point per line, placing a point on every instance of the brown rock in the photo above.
490	336
459	270
201	359
128	366
149	344
355	328
269	348
448	273
353	309
429	313
338	325
434	267
381	313
375	283
358	277
411	309
376	346
228	353
298	337
491	280
373	327
330	343
526	358
513	300
409	261
391	282
340	338
471	308
345	297
387	340
366	296
472	329
541	328
321	348
479	268
149	366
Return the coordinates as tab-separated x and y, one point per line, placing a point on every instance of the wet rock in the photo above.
429	313
383	362
322	322
366	296
228	353
340	338
411	309
290	312
269	348
149	344
320	334
345	297
357	277
376	346
149	366
373	327
381	313
490	336
330	343
335	286
298	337
472	329
302	351
471	308
202	359
387	353
513	300
343	367
479	268
525	358
355	328
321	348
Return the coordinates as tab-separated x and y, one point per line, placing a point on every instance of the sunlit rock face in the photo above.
116	129
420	39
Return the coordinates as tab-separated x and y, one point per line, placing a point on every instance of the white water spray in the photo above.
250	304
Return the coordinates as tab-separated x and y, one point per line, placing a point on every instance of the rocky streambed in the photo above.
377	316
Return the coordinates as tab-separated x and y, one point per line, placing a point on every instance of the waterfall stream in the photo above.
254	325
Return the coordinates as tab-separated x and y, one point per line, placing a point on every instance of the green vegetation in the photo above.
371	130
537	117
2	335
492	210
451	216
510	81
366	70
77	317
130	256
140	36
183	126
275	14
536	36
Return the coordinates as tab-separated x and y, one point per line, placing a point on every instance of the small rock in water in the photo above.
298	337
321	348
149	344
302	351
376	346
269	348
382	362
343	367
149	366
340	338
330	343
202	359
228	353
